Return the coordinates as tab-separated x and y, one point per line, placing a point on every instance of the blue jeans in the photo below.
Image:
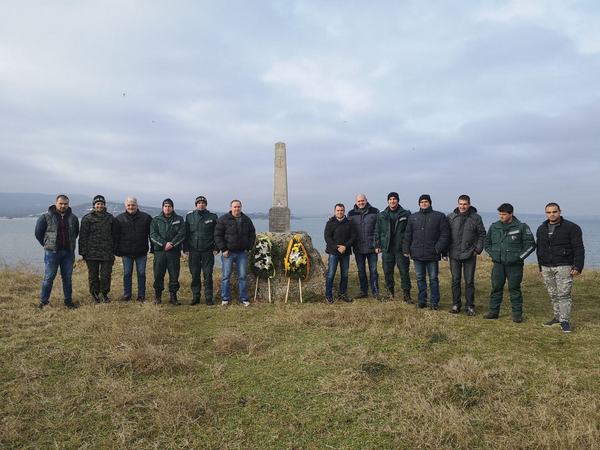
241	261
140	268
52	261
371	259
423	268
344	262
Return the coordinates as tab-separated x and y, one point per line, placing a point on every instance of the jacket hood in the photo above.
52	210
471	210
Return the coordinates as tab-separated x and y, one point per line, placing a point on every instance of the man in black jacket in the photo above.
363	218
425	240
234	237
133	237
339	237
467	237
561	256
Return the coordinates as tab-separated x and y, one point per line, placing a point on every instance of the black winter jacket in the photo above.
133	234
426	236
564	248
363	222
228	237
467	234
338	232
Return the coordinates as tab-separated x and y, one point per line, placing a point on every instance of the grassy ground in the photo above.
361	375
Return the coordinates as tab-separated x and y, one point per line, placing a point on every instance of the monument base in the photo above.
279	219
313	289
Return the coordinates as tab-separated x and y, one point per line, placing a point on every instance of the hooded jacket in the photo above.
427	235
467	234
47	229
363	222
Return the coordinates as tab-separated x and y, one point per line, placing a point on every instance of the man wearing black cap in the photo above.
426	237
389	232
199	245
167	233
508	242
97	239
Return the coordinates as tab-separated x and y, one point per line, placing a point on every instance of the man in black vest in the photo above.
560	255
57	232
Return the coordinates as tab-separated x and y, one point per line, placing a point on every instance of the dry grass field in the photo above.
346	376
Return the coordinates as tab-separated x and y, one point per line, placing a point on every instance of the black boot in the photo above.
158	297
195	300
105	297
96	297
173	298
407	297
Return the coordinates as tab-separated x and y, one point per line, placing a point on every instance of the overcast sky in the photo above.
497	99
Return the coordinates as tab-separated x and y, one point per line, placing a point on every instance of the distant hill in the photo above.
14	205
23	205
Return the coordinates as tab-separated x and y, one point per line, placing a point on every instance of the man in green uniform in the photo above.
389	232
508	242
167	233
200	247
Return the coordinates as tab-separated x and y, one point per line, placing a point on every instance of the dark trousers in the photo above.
202	263
391	261
164	261
99	275
463	268
373	280
500	274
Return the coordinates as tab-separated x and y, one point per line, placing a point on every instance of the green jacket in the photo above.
510	243
383	228
200	231
167	229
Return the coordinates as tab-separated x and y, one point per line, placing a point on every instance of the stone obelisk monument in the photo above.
279	214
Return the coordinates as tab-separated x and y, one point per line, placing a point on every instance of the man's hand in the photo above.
341	248
215	252
444	258
407	255
226	254
575	272
378	250
168	246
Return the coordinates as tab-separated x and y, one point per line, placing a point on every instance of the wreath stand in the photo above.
269	286
287	291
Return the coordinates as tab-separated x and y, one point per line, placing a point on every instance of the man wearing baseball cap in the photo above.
199	245
167	233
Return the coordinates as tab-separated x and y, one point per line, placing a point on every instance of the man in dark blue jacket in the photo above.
426	237
561	256
57	232
363	218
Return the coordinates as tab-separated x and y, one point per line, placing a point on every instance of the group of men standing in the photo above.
131	234
429	236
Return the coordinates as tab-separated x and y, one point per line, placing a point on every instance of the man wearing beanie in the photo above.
97	239
199	245
389	233
167	233
508	242
363	218
426	237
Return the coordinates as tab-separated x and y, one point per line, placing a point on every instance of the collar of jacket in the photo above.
400	210
470	211
52	210
426	210
547	222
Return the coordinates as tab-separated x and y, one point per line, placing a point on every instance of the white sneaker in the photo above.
224	302
246	303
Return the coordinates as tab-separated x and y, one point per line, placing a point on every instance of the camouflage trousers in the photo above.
558	281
